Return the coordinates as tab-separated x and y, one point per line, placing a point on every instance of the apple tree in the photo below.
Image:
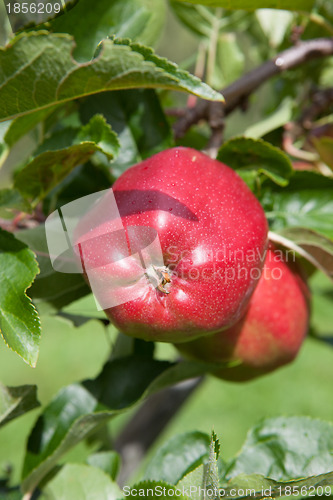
167	189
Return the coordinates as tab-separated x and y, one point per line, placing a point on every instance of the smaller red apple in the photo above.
272	330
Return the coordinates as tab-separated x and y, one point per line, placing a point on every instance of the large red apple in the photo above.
272	331
190	252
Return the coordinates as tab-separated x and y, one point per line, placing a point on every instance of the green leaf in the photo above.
245	154
274	24
137	118
77	481
107	461
324	146
178	456
202	20
99	132
45	72
43	173
19	321
306	202
11	199
192	483
49	168
312	246
286	448
154	490
229	61
22	125
281	115
198	18
50	286
15	401
301	5
11	494
79	409
89	23
211	475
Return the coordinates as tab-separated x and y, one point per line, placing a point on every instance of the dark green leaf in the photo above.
45	72
49	168
79	409
22	125
256	4
50	286
107	461
178	456
137	118
19	321
81	482
11	199
245	154
312	246
286	448
89	23
307	202
15	401
43	173
10	494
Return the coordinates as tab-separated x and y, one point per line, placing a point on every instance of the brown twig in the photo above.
321	99
237	93
147	424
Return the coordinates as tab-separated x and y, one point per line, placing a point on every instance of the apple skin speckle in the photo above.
213	236
272	331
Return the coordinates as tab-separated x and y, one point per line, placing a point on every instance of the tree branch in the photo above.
147	424
237	92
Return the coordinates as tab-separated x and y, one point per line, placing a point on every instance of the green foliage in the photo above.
178	457
50	288
138	119
19	321
49	168
88	23
15	401
285	448
248	155
38	80
306	202
255	4
108	461
81	481
275	451
313	246
79	409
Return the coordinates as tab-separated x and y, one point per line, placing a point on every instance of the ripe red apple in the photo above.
272	331
195	237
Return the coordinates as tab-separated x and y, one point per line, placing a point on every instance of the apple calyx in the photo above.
159	277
